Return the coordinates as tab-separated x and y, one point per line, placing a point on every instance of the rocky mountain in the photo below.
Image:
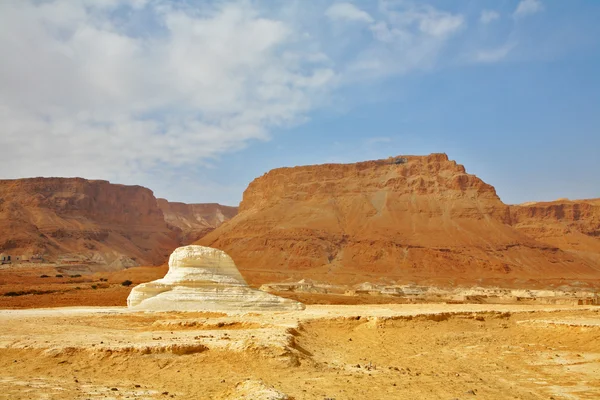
195	220
573	226
93	223
406	219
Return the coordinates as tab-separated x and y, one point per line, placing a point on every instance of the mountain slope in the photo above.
413	218
571	225
195	220
99	224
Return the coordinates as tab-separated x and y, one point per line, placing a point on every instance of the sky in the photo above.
195	99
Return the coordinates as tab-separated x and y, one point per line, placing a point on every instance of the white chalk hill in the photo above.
204	279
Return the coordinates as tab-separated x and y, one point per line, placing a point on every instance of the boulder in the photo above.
204	279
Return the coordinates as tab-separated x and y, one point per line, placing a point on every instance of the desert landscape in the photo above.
299	200
433	351
376	299
418	282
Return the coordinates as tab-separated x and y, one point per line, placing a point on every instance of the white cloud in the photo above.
144	91
407	37
347	12
494	55
439	24
488	16
82	93
528	7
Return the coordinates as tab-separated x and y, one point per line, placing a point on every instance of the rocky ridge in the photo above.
571	225
408	219
195	220
90	224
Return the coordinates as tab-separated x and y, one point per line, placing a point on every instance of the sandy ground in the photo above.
418	351
46	286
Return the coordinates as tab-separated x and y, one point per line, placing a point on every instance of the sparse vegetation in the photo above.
26	292
103	279
44	276
127	283
75	276
94	286
59	276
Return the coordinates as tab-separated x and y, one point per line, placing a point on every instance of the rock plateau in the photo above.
571	225
96	224
408	219
204	279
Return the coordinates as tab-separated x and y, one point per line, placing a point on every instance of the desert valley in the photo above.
397	278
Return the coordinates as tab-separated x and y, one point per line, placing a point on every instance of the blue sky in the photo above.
195	99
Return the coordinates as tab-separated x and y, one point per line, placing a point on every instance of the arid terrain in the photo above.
410	219
419	283
433	351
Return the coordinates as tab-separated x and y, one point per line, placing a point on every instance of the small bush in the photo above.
127	283
44	276
94	287
103	280
75	276
59	276
13	294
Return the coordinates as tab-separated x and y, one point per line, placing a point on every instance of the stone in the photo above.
204	279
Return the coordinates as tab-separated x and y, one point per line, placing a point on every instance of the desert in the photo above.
206	326
434	351
299	200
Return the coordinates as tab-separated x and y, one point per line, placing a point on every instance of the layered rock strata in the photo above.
97	225
79	221
206	279
410	219
195	220
571	225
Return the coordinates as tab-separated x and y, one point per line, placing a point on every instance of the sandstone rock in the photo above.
422	220
571	225
202	278
107	226
195	220
111	226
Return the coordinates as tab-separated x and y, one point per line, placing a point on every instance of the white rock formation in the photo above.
204	279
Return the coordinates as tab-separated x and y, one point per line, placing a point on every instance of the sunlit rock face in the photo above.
203	278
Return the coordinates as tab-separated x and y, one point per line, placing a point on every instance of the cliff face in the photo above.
195	220
406	218
112	226
573	226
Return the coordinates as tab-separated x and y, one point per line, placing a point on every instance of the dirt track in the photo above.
433	351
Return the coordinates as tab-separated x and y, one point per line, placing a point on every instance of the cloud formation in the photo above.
488	16
86	90
494	55
405	37
347	12
528	7
145	91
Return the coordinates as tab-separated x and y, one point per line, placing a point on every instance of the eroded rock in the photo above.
203	278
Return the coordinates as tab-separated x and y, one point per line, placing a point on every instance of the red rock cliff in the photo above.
412	218
112	225
573	226
195	220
